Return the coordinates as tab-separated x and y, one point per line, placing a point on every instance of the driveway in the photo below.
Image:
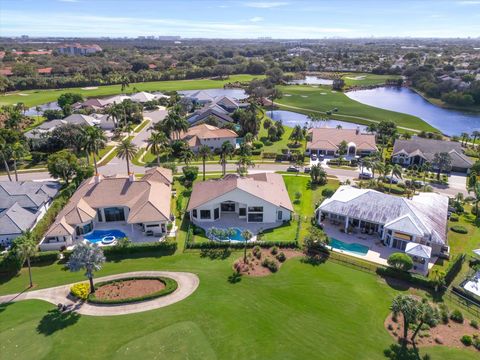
187	284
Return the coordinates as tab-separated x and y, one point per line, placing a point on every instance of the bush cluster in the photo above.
170	286
454	217
270	264
256	251
81	290
281	257
466	340
459	229
241	245
457	316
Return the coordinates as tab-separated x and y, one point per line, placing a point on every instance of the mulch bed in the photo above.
254	266
442	334
125	289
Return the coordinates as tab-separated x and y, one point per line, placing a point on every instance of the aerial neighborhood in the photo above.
269	195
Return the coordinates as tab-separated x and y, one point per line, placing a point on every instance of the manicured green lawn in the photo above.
303	312
304	99
37	97
464	243
365	79
277	146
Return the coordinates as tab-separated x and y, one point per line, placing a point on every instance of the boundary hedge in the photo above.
170	286
241	244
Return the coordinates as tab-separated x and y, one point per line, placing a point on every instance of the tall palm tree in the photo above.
124	81
187	156
247	235
5	154
89	257
475	135
205	153
425	168
156	143
26	247
395	170
126	150
464	136
225	150
174	123
407	306
94	140
113	113
18	151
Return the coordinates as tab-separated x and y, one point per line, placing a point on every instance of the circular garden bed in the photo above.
132	289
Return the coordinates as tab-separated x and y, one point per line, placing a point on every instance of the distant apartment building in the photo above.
78	49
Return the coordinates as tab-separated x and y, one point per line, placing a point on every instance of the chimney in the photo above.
357	131
97	178
131	177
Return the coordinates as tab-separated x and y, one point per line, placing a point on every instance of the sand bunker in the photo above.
90	88
356	77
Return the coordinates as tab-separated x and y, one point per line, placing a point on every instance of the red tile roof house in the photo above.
257	201
139	208
326	141
209	135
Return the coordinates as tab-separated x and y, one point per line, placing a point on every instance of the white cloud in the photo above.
265	5
469	2
256	19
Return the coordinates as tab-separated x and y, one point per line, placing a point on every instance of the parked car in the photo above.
293	169
314	157
365	175
307	169
391	179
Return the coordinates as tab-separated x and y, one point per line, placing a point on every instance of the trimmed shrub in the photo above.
170	286
474	324
281	257
80	291
466	340
400	261
44	257
459	229
454	217
327	192
270	264
241	245
274	250
256	251
457	316
257	145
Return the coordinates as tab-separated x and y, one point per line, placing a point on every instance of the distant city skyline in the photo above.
241	19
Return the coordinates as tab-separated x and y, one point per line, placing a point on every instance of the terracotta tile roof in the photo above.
329	139
267	186
205	131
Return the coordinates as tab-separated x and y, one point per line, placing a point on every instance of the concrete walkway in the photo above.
187	284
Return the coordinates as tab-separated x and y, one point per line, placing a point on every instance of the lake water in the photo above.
312	80
290	118
449	122
48	106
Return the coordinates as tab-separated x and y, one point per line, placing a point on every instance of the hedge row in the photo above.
12	264
406	276
168	247
170	286
453	268
241	245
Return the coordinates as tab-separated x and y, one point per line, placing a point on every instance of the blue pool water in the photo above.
353	248
237	236
96	236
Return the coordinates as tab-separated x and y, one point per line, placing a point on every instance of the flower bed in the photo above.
132	289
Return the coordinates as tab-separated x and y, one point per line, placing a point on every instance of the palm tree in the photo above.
174	123
94	139
156	143
225	150
372	128
476	191
4	153
247	235
425	168
187	156
18	151
124	81
89	257
395	170
243	163
248	138
407	306
113	113
126	150
205	153
26	248
464	136
475	135
425	314
442	162
297	134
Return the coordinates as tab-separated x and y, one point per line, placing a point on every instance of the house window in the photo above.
194	213
99	215
399	244
228	206
242	212
114	214
216	213
205	214
255	209
280	215
255	217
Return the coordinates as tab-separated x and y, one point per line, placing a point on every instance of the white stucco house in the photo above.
416	226
258	198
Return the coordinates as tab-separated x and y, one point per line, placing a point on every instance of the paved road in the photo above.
187	284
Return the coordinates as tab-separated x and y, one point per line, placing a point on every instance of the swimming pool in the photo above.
236	235
104	236
355	248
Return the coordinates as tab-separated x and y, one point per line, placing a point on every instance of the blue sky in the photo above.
241	19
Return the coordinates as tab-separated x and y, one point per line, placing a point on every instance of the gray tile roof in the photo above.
427	148
203	115
28	194
423	215
15	220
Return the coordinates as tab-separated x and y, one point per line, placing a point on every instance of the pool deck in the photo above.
377	252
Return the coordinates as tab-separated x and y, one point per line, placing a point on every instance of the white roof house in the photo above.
397	220
142	97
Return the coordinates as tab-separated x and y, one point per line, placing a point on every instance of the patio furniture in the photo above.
149	233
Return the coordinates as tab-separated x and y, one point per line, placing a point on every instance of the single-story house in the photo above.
22	205
417	151
227	103
202	116
80	119
44	128
209	135
143	204
326	141
258	198
400	223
